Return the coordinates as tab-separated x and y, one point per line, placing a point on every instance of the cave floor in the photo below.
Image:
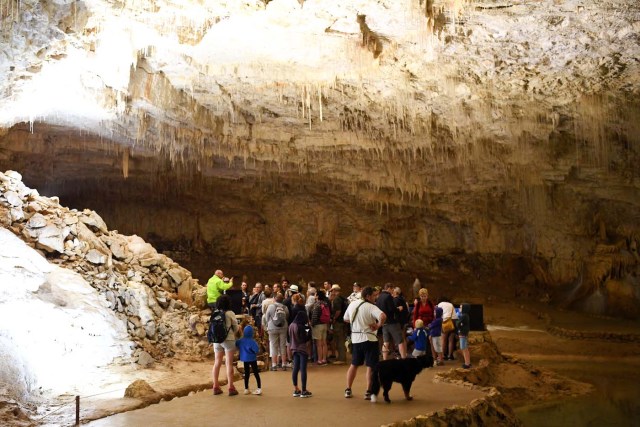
519	329
277	407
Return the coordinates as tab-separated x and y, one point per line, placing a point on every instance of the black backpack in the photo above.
217	327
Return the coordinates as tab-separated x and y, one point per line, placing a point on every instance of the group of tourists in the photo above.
317	327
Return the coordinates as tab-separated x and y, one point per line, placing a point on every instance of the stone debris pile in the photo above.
161	303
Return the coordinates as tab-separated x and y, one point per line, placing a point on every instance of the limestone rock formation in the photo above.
476	136
140	285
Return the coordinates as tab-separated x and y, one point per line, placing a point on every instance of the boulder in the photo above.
199	296
37	221
178	274
50	239
96	257
93	220
17	214
139	388
86	235
13	198
15	176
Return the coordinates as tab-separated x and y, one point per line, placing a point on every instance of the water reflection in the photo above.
615	401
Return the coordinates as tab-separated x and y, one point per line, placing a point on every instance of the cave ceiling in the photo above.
391	130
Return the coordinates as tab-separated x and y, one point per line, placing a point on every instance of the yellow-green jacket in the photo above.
215	286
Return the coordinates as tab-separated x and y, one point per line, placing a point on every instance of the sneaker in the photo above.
440	363
217	390
279	366
247	391
274	368
296	393
257	392
465	366
347	393
306	393
284	367
233	392
367	395
374	398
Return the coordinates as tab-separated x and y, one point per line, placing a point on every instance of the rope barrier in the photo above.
76	398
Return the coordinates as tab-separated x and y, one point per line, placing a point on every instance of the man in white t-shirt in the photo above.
365	318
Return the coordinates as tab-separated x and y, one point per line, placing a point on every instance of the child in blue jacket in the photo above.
249	349
419	337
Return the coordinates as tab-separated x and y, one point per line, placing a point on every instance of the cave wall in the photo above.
579	229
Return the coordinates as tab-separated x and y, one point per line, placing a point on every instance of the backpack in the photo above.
325	313
279	316
218	331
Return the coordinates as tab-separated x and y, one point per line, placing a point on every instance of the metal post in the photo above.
77	410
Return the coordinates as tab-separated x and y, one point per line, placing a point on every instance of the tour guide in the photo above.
216	286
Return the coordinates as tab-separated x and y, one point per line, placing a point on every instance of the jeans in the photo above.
299	364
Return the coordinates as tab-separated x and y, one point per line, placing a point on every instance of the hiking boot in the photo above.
347	393
257	392
217	390
296	393
233	392
306	393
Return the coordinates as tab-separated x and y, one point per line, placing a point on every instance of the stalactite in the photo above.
320	101
125	163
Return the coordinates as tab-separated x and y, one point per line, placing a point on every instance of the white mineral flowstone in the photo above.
57	334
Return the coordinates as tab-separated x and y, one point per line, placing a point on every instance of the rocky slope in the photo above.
146	306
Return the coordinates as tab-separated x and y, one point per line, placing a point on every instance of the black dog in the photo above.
402	371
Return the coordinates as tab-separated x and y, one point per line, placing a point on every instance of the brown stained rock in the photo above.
139	389
184	293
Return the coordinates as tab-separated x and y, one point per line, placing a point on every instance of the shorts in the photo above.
228	345
320	332
436	342
463	343
392	332
367	353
